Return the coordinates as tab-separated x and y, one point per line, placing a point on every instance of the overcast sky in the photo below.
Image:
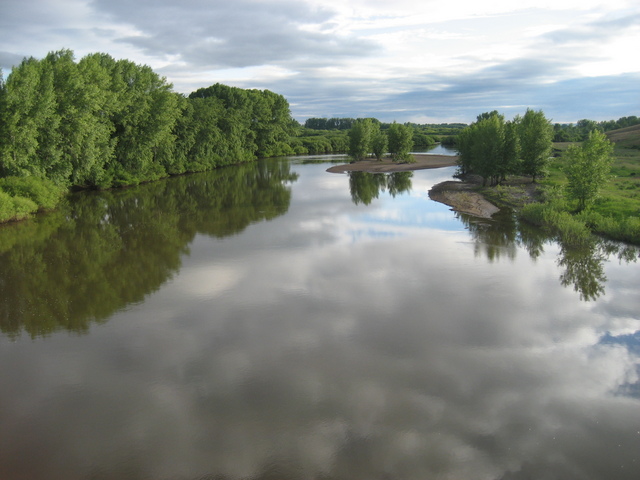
407	60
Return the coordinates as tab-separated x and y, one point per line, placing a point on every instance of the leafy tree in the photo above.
102	123
400	142
510	161
378	142
481	148
587	167
487	115
146	113
30	121
360	138
535	136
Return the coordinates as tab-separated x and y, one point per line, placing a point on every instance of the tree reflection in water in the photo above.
105	250
583	266
365	186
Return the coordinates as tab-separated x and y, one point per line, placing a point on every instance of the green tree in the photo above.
400	142
144	119
482	148
360	138
587	168
30	121
536	137
378	142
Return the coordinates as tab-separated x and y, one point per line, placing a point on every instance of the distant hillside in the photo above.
628	137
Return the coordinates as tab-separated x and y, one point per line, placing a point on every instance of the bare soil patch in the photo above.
462	197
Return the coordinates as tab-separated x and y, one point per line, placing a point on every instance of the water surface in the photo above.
274	321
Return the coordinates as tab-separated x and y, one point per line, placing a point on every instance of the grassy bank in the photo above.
615	214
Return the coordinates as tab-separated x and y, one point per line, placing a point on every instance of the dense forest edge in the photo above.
102	123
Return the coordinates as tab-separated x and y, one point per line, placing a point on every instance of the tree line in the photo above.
494	148
367	138
578	132
330	135
101	123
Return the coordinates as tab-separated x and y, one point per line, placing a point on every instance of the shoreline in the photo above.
460	196
386	165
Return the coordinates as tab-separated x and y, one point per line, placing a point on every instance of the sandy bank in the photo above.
461	197
387	165
458	195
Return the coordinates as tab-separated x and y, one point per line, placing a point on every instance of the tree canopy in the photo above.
102	122
587	167
494	148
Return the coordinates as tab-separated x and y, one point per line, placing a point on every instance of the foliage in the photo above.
329	123
400	142
587	168
15	208
379	143
535	135
568	229
360	137
102	122
44	193
493	148
569	132
22	196
488	148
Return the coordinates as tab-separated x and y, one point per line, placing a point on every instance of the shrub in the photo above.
15	208
44	193
570	230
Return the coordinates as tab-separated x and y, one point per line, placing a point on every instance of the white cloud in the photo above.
336	58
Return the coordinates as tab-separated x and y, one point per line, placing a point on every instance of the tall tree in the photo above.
482	148
400	142
587	168
360	138
378	142
146	113
30	121
536	136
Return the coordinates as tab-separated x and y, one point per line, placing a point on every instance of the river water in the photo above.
275	321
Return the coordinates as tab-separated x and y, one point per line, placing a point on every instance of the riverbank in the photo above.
461	196
386	165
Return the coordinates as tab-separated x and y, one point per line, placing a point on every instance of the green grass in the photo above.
616	213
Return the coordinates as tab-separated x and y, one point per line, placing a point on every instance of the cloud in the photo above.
395	60
242	33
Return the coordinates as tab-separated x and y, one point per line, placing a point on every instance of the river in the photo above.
275	321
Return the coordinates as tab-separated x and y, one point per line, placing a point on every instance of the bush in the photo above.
570	230
44	193
626	229
15	208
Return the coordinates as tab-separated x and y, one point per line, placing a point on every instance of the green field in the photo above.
616	213
621	196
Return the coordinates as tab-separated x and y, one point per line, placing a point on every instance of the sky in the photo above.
419	61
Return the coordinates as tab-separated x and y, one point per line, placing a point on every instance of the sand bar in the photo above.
386	165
